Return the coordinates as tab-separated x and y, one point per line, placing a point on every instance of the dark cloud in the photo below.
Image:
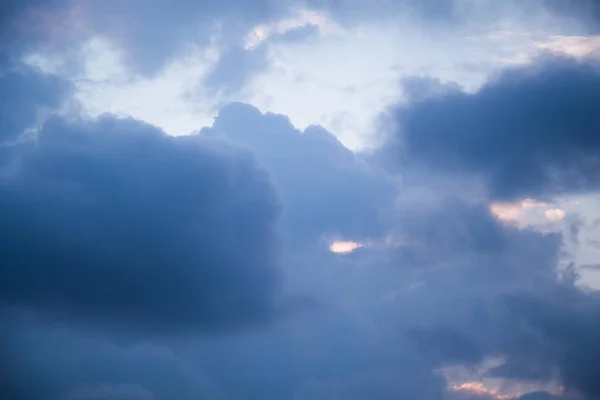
532	131
565	326
25	96
129	224
152	33
326	189
112	225
454	273
26	25
540	396
510	301
376	385
58	364
586	11
591	267
237	65
470	301
112	219
235	68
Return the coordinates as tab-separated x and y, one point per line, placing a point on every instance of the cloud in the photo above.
453	276
25	95
489	289
586	11
343	247
36	25
238	64
510	300
476	391
110	392
146	214
125	235
151	34
575	46
565	326
540	396
62	364
235	68
326	189
530	132
376	385
111	219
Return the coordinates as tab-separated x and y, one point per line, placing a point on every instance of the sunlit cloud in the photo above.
479	389
555	214
574	46
344	246
506	212
529	203
527	213
475	381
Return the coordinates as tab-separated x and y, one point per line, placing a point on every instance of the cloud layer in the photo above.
137	265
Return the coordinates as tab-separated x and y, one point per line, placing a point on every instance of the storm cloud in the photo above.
137	265
112	219
533	131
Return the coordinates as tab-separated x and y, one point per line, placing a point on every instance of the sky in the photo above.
299	200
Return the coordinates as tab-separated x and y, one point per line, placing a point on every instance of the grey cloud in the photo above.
59	364
540	396
531	132
586	11
592	267
235	68
112	219
25	94
237	65
149	34
508	300
111	392
152	33
464	264
326	189
15	18
376	385
565	326
112	225
355	343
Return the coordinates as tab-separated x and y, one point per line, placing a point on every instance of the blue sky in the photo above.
299	200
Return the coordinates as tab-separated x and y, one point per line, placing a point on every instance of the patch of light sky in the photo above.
342	78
